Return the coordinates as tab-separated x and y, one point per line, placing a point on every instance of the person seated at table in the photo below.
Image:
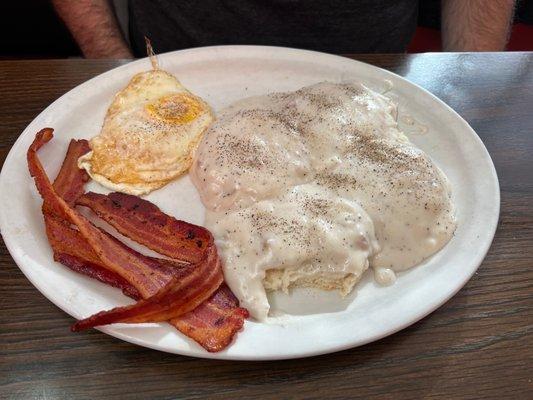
334	26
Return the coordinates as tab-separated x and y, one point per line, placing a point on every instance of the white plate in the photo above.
313	322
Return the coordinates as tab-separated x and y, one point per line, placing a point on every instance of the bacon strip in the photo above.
212	324
190	286
216	321
71	250
144	273
144	223
97	272
68	245
182	294
69	183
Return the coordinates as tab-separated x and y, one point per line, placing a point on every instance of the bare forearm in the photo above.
476	25
94	27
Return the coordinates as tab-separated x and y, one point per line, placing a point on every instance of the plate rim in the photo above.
14	249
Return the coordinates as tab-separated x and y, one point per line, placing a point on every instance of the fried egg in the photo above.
148	136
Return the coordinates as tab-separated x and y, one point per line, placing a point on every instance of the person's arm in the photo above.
94	27
476	25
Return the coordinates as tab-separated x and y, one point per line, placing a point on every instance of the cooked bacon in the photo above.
181	295
144	223
97	272
214	323
142	272
189	287
69	183
65	239
71	250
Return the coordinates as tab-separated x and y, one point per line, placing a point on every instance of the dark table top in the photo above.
477	345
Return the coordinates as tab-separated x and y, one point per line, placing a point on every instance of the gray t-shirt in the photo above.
335	26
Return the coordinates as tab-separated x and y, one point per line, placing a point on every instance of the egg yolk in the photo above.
176	108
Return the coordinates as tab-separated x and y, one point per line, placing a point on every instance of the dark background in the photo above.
31	29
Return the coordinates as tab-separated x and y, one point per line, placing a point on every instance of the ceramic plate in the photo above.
306	322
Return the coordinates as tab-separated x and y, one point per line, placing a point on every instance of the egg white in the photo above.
148	135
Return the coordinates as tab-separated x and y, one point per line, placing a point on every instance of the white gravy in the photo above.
258	168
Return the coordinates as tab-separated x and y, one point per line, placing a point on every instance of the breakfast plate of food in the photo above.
248	202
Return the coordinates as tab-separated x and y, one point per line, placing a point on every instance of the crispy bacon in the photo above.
69	183
182	294
71	250
189	287
66	240
97	272
143	273
214	323
144	223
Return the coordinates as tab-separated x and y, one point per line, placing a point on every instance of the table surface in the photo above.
477	345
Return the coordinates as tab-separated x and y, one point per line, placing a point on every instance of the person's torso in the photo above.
336	26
